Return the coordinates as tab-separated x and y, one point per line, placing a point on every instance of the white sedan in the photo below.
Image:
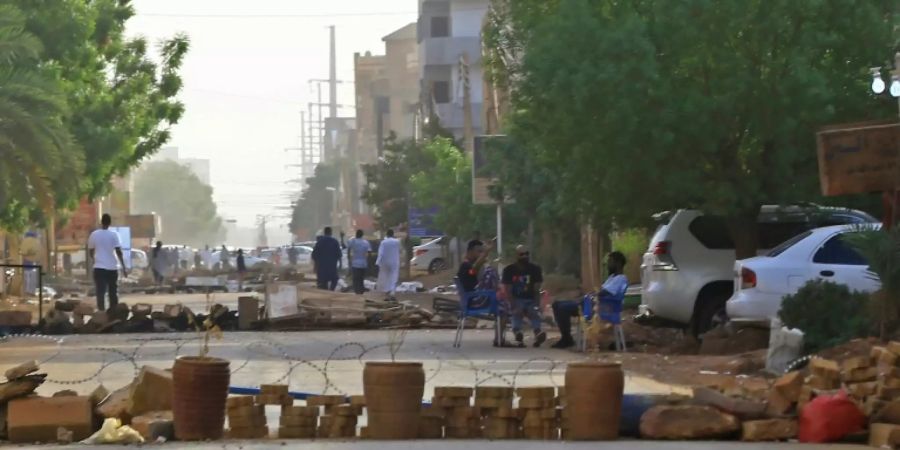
761	283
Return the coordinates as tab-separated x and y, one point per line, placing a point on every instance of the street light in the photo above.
878	84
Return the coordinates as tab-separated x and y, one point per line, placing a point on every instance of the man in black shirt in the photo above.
522	283
476	255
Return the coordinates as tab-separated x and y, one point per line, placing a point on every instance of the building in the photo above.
200	167
448	31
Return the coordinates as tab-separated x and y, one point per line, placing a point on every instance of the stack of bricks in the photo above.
274	394
340	418
460	418
298	422
499	420
246	420
431	422
537	408
563	412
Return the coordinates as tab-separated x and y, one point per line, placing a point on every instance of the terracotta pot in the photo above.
199	393
594	400
393	399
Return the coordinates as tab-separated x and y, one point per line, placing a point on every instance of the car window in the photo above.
788	244
836	251
712	232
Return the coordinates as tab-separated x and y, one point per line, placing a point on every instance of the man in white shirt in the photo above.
614	286
388	264
106	251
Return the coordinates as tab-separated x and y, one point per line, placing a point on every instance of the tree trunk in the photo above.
745	234
530	239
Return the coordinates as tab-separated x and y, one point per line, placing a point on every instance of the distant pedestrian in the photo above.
388	262
358	250
292	255
198	260
522	283
241	269
225	258
326	255
158	262
105	250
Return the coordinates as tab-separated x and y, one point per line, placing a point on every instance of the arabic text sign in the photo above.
859	158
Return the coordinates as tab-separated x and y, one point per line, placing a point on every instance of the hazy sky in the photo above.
246	81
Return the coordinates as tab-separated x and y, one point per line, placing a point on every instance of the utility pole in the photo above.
468	127
332	77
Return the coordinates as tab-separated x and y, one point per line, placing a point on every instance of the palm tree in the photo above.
881	248
38	157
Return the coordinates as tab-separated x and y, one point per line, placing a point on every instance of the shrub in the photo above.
827	313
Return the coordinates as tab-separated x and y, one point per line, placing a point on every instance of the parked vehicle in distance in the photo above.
250	261
687	272
761	283
430	256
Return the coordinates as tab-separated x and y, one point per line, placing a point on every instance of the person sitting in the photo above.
475	275
564	310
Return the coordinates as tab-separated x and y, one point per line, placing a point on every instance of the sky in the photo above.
246	80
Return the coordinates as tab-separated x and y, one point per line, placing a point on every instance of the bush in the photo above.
827	313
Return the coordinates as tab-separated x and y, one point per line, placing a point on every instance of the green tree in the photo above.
313	210
36	148
183	202
658	104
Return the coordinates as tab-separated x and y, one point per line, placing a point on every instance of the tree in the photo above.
648	105
315	206
36	149
183	202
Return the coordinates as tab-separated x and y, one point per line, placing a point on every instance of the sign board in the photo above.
83	221
484	179
859	158
281	300
421	222
124	239
143	226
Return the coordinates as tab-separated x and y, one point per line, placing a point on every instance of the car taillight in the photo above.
748	278
662	251
662	248
421	252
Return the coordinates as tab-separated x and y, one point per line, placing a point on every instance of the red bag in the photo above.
828	418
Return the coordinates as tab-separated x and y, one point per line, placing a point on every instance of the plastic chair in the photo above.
609	310
490	312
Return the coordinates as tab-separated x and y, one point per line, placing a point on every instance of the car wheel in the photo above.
710	314
437	265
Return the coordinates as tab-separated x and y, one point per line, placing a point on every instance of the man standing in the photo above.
358	250
615	285
241	269
388	264
106	251
292	255
225	258
326	255
158	262
522	283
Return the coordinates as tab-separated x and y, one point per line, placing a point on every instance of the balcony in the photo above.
445	51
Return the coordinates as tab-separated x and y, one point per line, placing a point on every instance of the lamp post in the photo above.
891	200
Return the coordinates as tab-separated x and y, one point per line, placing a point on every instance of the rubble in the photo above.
37	419
884	435
115	405
21	370
155	425
687	422
769	430
150	391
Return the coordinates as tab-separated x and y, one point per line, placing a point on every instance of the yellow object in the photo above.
113	432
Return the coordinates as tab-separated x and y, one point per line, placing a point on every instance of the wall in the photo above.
467	17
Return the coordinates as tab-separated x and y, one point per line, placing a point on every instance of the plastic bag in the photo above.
828	418
113	432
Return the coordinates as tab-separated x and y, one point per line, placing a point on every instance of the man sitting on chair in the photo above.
474	275
564	310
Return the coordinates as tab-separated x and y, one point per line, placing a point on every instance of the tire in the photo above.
437	265
710	312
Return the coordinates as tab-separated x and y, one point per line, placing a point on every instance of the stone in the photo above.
855	362
151	391
743	409
98	395
769	430
15	318
154	425
894	347
860	375
789	386
862	390
884	357
889	413
873	406
21	370
64	436
20	387
115	405
99	318
819	383
248	312
37	419
825	369
884	435
142	309
84	309
677	422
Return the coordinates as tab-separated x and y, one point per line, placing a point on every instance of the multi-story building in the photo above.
448	31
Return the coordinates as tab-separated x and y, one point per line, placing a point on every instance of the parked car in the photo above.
761	283
250	261
430	256
687	271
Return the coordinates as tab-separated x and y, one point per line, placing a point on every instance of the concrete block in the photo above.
115	405
860	375
15	318
154	425
21	370
769	430
687	422
248	312
825	369
151	391
37	419
884	435
855	363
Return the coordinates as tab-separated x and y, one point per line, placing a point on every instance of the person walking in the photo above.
522	284
388	262
158	263
241	269
358	250
105	249
292	255
225	258
326	255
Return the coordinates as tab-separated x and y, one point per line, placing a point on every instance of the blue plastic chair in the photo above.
490	312
609	310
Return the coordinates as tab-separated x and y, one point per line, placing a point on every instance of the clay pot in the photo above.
393	399
594	400
200	388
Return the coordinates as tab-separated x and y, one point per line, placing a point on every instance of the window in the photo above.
788	244
836	251
712	232
440	26
440	90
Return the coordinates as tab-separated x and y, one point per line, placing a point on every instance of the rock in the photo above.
856	362
38	419
64	436
687	422
743	409
862	390
883	357
884	435
769	430
115	405
15	318
825	369
20	387
100	318
66	393
860	375
151	391
873	406
21	370
822	384
894	347
98	395
889	413
154	425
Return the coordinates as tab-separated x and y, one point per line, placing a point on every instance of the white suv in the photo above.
687	272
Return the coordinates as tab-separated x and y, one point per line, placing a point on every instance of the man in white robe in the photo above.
388	264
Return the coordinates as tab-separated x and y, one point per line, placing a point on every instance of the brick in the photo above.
151	391
301	411
346	410
687	422
860	375
247	411
862	390
115	405
887	393
21	370
491	402
789	386
884	357
884	435
744	409
37	419
325	400
536	403
769	430
806	394
358	400
888	413
450	402
274	389
494	392
541	392
296	432
825	368
246	421
891	383
298	421
155	425
453	391
15	318
873	406
894	347
236	402
820	383
248	433
855	362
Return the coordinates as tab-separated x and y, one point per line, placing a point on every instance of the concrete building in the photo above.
447	30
